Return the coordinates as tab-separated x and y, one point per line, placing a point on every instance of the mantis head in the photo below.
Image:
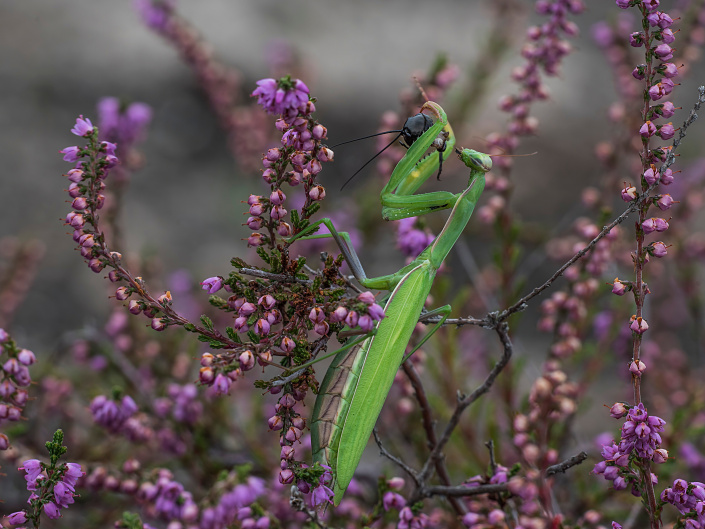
477	161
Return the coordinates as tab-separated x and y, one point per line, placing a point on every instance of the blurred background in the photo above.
184	205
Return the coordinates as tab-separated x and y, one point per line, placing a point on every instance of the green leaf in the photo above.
262	252
207	322
295	219
236	262
131	520
190	327
217	302
232	334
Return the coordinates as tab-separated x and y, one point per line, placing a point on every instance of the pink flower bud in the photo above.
666	131
338	314
292	434
247	308
647	130
256	239
267	301
629	193
273	155
262	327
321	328
240	324
366	297
256	209
319	132
618	287
122	293
396	483
265	358
75	175
79	203
660	456
639	325
637	368
253	199
74	190
286	476
284	229
273	316
317	193
299	422
351	319
658	249
255	223
206	376
618	410
317	315
277	197
278	212
664	52
366	323
275	423
157	324
664	202
287	344
247	360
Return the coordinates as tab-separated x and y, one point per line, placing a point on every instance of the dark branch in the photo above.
565	465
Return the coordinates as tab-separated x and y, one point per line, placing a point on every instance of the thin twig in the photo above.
565	465
429	423
463	490
274	277
406	468
464	401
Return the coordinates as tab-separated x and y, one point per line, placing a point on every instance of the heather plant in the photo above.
174	408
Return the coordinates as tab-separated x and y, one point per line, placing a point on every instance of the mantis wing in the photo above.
358	381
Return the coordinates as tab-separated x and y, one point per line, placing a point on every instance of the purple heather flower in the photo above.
285	96
33	468
71	154
393	500
664	52
651	5
636	39
666	131
52	510
618	287
623	4
664	202
659	249
376	312
412	241
63	494
212	284
639	325
155	14
83	127
17	518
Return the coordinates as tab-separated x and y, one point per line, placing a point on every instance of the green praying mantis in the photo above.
359	378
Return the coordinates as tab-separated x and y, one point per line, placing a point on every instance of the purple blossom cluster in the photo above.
123	125
182	404
543	53
112	414
640	439
689	499
488	513
410	239
52	489
14	378
286	96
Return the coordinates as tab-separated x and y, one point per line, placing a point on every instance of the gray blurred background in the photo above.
59	58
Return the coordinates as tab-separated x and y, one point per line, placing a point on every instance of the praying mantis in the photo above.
359	378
